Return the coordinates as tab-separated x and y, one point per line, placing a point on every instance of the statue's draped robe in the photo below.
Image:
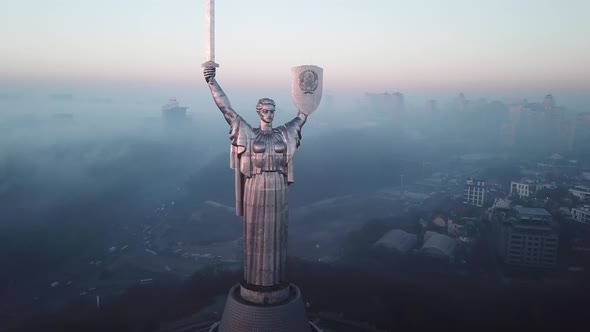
263	167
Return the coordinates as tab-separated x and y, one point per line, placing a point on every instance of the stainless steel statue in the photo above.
262	158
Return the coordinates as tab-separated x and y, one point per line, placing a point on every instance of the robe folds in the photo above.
263	164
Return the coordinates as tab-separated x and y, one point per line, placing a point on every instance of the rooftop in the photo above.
532	229
581	186
502	203
525	181
531	211
585	208
439	244
474	182
398	240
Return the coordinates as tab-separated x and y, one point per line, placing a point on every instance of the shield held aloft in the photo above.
306	87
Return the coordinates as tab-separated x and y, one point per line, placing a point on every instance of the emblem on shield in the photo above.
308	81
306	87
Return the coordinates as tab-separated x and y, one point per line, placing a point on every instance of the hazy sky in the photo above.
373	44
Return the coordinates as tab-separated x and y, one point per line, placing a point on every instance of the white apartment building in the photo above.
581	191
475	192
581	214
524	188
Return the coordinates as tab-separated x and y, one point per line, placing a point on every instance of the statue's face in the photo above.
266	113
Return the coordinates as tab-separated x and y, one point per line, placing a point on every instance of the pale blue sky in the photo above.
373	44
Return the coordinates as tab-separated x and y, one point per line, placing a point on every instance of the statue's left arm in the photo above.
292	130
294	126
302	116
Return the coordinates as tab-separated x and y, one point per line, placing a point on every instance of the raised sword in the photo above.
210	34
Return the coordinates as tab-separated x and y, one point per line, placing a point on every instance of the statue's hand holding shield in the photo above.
306	87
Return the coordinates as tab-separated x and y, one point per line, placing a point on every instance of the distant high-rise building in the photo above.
565	134
399	104
507	134
173	113
529	121
378	102
558	167
554	125
475	192
548	103
384	102
460	102
535	122
431	106
515	114
581	131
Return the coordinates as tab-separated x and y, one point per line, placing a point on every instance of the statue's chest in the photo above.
268	151
268	143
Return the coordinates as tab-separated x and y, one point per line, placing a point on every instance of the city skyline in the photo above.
381	45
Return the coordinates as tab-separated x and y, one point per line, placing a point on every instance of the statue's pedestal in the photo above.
240	315
265	295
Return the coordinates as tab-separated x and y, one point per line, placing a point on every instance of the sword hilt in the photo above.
210	64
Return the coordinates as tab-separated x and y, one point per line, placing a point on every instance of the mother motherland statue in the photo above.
262	159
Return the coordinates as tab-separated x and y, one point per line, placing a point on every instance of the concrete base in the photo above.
242	316
265	296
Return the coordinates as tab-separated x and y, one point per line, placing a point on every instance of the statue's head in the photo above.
266	109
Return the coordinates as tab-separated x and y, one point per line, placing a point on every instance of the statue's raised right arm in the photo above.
218	95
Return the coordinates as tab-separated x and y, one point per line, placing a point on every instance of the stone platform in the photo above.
240	315
265	295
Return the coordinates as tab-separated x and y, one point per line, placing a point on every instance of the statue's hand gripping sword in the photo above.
210	35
